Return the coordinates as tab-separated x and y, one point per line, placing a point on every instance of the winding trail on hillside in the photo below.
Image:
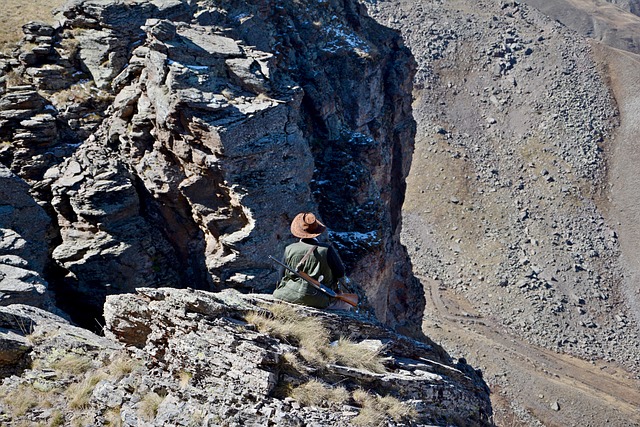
560	389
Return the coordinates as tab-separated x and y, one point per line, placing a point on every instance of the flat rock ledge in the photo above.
185	357
230	364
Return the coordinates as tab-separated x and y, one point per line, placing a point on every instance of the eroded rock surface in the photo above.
24	228
176	140
189	357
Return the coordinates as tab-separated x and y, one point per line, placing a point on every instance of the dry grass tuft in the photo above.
81	420
184	378
314	393
80	393
149	405
377	409
121	366
286	323
350	353
293	363
112	417
72	363
57	419
22	399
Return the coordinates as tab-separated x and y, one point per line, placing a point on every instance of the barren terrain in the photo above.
521	214
16	13
531	385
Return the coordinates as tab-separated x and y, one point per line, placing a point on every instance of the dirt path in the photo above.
554	389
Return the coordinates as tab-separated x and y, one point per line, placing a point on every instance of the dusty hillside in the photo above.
615	23
15	13
510	216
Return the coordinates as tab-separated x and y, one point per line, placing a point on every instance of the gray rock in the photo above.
14	353
203	334
24	228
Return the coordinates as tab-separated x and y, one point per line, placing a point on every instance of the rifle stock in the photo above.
351	299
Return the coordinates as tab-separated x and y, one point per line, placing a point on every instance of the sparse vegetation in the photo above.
376	409
149	405
78	374
16	13
79	93
22	399
347	352
121	366
284	321
314	393
72	364
57	419
112	416
80	393
197	417
184	377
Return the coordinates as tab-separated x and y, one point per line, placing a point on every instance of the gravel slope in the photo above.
513	204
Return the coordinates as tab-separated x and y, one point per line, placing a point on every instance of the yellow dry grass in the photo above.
349	353
72	364
375	410
80	393
15	13
313	338
149	405
314	393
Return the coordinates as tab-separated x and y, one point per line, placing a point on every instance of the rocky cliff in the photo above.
195	358
171	143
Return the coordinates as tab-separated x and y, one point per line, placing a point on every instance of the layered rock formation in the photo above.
173	142
188	357
24	228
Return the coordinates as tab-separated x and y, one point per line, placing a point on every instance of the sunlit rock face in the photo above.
182	139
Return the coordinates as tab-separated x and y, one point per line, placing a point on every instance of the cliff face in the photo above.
172	142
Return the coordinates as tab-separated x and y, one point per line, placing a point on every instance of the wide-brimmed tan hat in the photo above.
305	226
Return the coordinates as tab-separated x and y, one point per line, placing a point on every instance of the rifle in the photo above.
351	299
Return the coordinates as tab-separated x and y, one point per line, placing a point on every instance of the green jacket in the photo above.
323	261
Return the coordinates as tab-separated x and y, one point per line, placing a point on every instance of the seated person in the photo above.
318	260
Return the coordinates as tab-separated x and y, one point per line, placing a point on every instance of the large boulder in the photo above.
206	338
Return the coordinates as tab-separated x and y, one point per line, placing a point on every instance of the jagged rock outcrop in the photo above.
176	141
28	333
188	357
24	228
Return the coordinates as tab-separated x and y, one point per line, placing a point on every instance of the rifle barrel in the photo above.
351	299
307	279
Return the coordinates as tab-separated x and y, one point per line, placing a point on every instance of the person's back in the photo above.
318	260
